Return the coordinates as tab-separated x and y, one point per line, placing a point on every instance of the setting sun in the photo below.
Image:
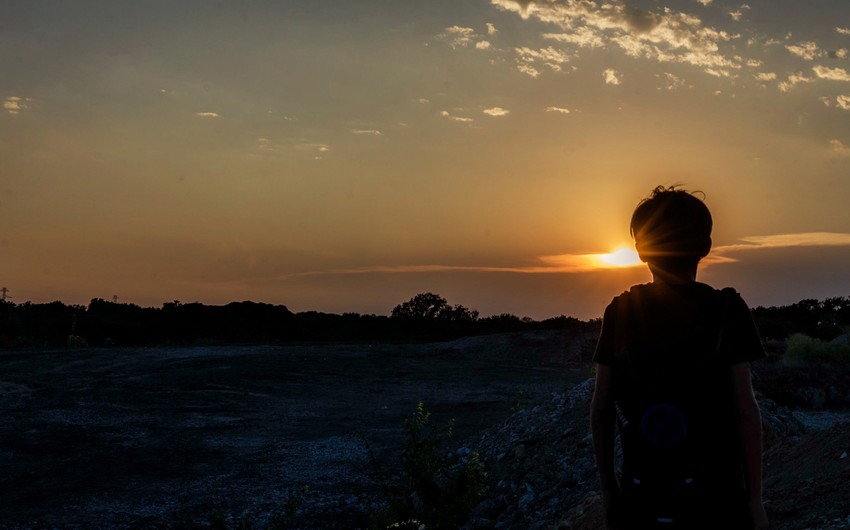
622	257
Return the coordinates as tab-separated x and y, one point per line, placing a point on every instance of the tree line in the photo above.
426	316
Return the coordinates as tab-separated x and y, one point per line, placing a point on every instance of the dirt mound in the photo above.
542	473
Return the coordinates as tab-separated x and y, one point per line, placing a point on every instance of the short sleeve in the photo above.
606	347
740	341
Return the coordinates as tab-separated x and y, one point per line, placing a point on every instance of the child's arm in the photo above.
749	417
602	420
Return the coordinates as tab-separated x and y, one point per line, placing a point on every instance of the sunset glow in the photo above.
345	156
622	257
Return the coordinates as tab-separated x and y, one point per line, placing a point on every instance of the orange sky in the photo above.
344	156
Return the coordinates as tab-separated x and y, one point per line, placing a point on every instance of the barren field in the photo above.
277	436
181	437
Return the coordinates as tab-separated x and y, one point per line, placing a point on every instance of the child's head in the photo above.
672	229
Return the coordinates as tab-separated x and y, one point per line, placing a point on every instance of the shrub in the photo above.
436	488
802	349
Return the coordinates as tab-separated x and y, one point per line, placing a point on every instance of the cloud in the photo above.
672	82
15	104
496	112
367	132
583	37
663	35
833	74
765	76
721	254
310	146
738	14
838	147
457	36
208	114
482	45
843	31
793	80
550	57
838	54
559	110
805	50
704	2
843	102
461	119
491	29
528	70
611	77
576	263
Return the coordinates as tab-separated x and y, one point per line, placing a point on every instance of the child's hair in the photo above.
671	228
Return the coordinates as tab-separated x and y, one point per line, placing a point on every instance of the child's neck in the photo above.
659	275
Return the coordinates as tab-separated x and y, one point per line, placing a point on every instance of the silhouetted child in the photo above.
673	374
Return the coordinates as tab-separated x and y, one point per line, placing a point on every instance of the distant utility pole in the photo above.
4	294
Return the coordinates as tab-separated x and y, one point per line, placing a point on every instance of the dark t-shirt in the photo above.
670	349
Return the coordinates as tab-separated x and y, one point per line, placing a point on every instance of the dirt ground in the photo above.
177	437
199	437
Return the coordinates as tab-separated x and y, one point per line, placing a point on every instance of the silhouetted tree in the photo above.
430	306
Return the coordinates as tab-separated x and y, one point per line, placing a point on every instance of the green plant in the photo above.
802	349
289	509
436	488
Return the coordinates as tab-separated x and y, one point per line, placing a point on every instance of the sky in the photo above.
343	156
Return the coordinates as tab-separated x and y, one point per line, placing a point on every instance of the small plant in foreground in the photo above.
436	488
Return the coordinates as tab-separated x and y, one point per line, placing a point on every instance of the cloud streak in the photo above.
15	104
591	262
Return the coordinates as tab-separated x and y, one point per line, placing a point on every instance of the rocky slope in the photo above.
542	473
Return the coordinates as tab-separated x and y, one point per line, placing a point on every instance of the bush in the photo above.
436	488
802	349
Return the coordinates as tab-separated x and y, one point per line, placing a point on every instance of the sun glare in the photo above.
622	257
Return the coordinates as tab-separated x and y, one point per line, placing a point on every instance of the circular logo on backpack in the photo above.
663	425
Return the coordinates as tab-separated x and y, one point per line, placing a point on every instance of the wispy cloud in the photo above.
833	74
843	31
738	14
496	112
447	114
838	147
766	76
577	263
367	132
723	254
843	102
268	147
663	35
457	36
794	80
805	50
550	57
560	110
482	45
208	114
583	37
491	29
672	82
611	76
15	104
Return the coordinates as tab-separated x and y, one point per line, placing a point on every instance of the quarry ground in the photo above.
262	435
